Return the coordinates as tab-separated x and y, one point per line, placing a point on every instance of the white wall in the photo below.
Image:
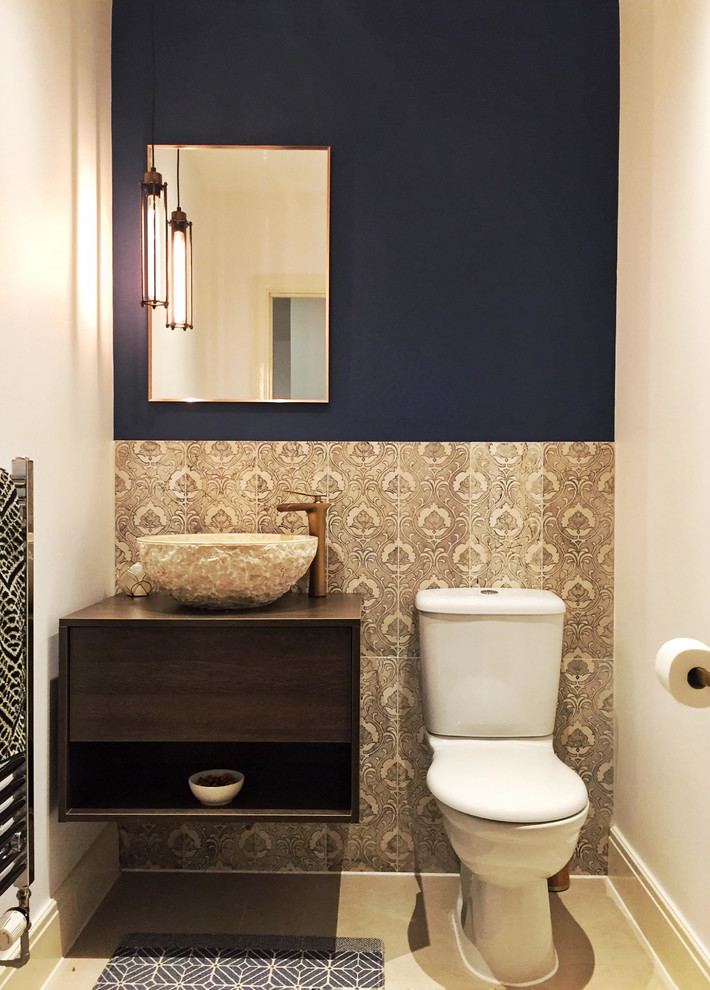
662	792
55	339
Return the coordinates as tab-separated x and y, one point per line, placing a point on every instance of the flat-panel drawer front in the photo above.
253	684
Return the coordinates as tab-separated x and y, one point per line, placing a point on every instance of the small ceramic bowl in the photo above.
210	787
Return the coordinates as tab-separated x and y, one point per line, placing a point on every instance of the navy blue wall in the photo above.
473	204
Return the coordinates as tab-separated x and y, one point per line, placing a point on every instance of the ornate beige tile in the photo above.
210	846
366	575
217	500
362	535
260	846
506	514
591	855
285	468
299	847
247	847
424	846
404	516
434	526
149	494
149	846
357	848
372	843
578	533
584	739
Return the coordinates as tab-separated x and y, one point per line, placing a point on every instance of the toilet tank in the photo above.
490	660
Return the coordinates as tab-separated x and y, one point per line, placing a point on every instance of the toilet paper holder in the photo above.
699	677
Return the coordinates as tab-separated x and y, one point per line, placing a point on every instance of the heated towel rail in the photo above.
16	627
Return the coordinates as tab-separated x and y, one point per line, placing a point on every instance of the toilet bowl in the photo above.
512	812
511	809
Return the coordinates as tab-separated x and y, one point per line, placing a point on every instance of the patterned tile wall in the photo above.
404	516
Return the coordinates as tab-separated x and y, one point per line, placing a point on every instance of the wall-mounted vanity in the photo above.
151	692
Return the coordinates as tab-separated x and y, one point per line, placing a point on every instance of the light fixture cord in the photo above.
178	178
152	85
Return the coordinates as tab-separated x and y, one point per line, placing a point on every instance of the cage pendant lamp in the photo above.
154	211
154	237
179	315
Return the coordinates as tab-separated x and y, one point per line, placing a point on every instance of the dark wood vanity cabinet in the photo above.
151	692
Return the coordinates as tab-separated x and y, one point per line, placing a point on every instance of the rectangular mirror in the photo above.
260	231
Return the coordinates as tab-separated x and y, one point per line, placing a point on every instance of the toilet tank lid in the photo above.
489	601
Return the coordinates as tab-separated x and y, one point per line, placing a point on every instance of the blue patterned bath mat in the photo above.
243	962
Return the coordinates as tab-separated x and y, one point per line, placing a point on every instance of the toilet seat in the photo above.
505	780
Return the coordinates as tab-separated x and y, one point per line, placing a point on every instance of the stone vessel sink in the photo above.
226	570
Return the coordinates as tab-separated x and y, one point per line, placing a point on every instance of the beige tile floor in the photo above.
597	944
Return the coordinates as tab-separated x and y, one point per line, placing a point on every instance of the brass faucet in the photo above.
316	511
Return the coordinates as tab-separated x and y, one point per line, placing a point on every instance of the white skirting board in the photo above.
685	960
55	929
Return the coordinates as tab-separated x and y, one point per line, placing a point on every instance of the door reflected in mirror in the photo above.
260	231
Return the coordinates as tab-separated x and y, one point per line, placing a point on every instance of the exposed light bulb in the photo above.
179	283
180	275
153	240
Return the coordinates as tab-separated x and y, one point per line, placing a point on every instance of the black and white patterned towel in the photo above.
12	621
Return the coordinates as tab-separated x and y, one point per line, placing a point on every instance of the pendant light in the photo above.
180	266
154	218
154	236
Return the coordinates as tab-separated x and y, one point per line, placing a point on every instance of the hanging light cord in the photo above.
152	85
178	179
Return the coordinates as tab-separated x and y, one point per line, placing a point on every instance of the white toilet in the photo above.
512	810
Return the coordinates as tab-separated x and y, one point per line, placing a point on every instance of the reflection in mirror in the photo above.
260	277
297	323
